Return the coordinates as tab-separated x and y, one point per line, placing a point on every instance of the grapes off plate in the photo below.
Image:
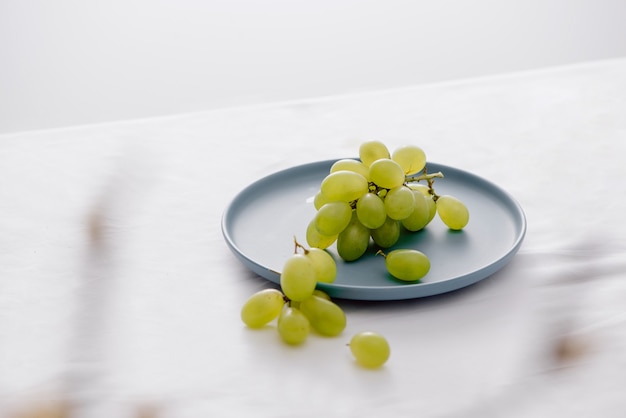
261	222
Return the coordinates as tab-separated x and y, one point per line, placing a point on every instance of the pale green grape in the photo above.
262	307
406	264
324	264
351	165
325	316
370	209
422	188
293	326
386	173
371	151
452	212
399	202
317	240
411	158
320	200
332	218
321	294
370	349
353	241
298	278
344	186
388	234
420	216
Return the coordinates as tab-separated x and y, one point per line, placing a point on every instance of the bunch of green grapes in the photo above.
372	198
298	307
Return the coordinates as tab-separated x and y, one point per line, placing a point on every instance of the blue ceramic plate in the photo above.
261	222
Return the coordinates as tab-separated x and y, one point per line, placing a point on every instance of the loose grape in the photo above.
298	278
411	158
353	241
371	151
388	234
332	218
325	316
452	212
351	165
407	264
262	307
399	202
344	186
317	240
370	349
293	326
386	173
370	209
324	264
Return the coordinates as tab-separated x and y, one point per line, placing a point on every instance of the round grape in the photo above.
370	349
298	278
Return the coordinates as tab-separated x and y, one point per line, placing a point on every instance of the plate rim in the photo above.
390	292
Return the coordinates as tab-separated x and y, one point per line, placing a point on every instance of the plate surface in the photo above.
261	222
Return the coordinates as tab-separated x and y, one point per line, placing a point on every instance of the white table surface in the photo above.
117	290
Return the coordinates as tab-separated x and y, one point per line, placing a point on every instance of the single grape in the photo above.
293	326
324	264
399	202
262	307
420	216
298	278
325	316
371	151
422	188
332	218
351	165
388	234
407	264
319	200
411	158
370	349
452	212
321	294
317	240
353	241
370	209
386	173
344	186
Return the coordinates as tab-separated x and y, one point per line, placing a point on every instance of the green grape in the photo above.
262	307
298	278
370	349
452	212
321	294
324	264
317	240
319	200
332	218
370	209
388	234
386	173
425	190
399	202
371	151
411	158
408	265
293	326
420	216
422	188
325	316
353	241
351	165
344	186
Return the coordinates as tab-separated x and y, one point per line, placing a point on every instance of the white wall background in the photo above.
68	62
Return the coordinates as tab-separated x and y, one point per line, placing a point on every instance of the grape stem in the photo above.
430	179
298	245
